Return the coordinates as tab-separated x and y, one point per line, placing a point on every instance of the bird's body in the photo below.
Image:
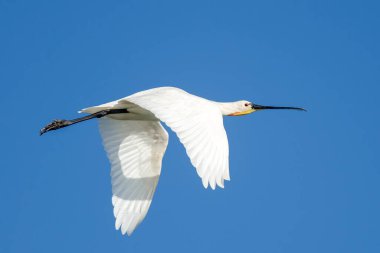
135	142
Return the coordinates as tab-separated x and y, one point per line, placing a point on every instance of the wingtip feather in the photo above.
205	183
220	183
212	184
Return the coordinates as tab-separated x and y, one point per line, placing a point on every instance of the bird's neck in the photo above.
227	108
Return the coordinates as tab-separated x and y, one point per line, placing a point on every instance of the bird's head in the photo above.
245	107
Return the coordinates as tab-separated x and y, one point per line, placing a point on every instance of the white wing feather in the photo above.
136	142
135	150
199	125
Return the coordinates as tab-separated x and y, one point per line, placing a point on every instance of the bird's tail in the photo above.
98	108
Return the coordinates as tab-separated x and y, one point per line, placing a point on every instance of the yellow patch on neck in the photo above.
242	113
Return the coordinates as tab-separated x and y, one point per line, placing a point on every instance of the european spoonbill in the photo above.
135	142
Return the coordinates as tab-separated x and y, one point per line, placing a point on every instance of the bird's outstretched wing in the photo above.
135	150
199	125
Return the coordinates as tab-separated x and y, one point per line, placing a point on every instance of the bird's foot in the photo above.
56	124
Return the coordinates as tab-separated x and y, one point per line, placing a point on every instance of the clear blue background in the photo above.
301	182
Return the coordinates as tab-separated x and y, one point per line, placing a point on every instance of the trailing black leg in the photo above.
60	123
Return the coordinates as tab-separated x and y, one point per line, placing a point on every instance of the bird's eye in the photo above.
246	104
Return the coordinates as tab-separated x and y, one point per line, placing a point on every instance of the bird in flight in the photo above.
135	142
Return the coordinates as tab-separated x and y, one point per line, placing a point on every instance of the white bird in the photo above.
135	142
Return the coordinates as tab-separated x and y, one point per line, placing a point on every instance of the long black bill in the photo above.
265	107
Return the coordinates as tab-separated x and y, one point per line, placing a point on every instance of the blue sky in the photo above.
301	182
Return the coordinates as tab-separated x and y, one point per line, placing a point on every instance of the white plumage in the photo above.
136	142
135	150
